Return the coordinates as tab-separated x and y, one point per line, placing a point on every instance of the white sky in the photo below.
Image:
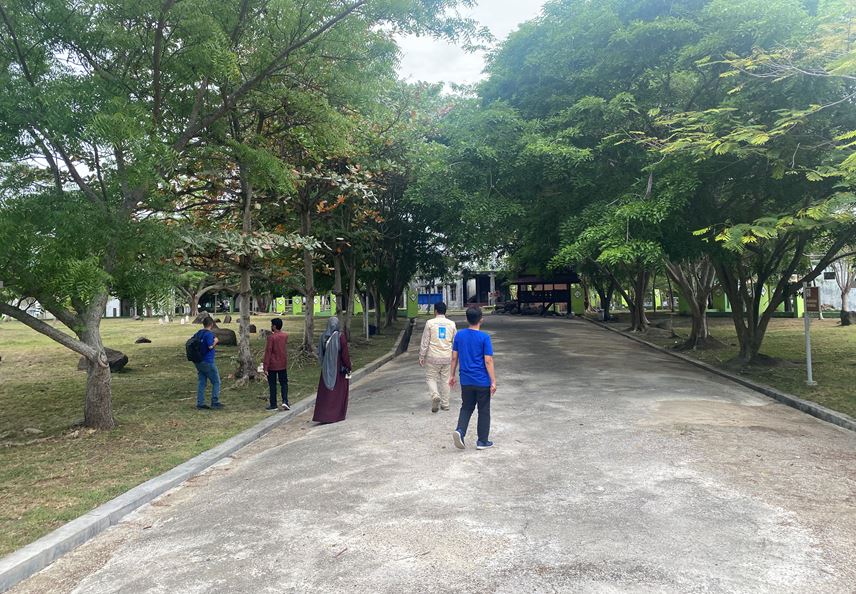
429	60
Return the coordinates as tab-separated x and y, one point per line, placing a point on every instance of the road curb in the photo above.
806	406
34	557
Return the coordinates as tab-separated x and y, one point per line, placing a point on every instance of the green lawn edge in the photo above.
52	471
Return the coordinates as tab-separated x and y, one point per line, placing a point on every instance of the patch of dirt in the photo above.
686	413
759	362
708	344
655	332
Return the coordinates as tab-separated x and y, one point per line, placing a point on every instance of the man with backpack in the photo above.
201	350
435	356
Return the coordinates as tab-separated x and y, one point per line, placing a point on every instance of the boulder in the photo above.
253	329
664	324
138	318
227	320
117	360
142	340
201	317
218	321
227	337
848	318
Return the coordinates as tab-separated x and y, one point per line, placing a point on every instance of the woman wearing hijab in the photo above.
331	405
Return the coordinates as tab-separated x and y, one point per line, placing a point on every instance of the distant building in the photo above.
830	293
460	290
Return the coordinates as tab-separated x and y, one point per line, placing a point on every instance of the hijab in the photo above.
328	352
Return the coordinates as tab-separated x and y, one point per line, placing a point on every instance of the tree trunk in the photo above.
98	409
605	290
671	294
391	310
845	301
98	406
695	280
744	293
750	345
149	312
308	344
654	292
378	317
264	302
392	301
246	364
195	298
350	297
699	333
638	319
586	300
337	284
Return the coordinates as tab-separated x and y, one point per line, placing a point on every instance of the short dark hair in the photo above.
276	323
440	308
208	322
474	315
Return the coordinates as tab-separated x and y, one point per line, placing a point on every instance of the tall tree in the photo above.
108	101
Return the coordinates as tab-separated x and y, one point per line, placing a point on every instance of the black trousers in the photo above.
472	397
283	382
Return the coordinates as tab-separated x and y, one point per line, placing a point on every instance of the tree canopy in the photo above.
254	146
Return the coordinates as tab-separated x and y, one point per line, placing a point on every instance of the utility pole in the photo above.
810	379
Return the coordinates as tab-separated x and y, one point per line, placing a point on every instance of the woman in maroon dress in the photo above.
331	405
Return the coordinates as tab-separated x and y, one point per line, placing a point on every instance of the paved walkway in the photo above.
616	469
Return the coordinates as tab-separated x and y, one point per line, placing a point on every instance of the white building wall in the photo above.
113	309
472	288
830	294
452	292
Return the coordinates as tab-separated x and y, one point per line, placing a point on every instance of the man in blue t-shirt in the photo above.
474	352
207	368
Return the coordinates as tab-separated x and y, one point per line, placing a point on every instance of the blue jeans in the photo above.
207	371
472	397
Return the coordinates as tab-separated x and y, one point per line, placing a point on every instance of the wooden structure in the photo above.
545	290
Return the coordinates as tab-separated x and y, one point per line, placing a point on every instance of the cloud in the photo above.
431	60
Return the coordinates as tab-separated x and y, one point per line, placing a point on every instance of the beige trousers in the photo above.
437	377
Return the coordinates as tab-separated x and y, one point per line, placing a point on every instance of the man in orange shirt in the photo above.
275	363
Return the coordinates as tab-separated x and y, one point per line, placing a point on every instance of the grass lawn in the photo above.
833	355
52	471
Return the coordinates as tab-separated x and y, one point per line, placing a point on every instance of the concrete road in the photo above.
616	469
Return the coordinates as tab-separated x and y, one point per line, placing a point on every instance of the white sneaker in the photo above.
285	406
435	404
459	441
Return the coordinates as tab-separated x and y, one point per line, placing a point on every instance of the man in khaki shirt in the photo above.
435	355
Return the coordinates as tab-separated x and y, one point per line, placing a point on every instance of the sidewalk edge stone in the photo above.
812	408
32	558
